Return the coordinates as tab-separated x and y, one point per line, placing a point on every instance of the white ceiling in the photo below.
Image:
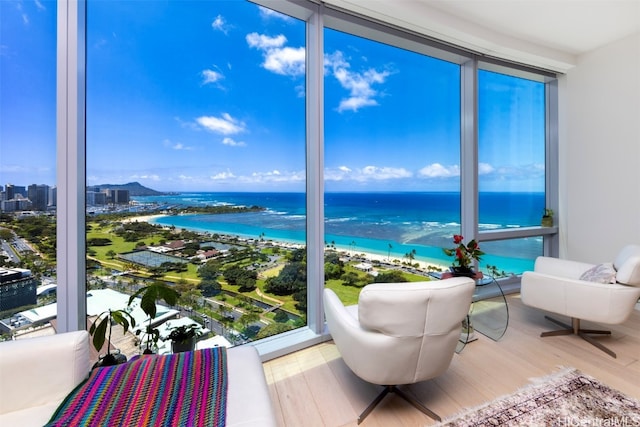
572	26
546	33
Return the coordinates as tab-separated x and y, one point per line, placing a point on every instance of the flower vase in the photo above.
458	271
182	346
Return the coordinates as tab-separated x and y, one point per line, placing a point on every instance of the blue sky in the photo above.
209	96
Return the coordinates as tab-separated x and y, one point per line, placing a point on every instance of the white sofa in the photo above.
36	374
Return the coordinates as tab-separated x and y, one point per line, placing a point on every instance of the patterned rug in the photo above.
567	398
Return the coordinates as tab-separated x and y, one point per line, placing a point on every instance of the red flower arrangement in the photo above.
464	254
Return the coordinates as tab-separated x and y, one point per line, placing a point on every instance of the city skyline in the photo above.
227	113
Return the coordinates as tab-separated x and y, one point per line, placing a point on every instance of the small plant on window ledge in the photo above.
547	218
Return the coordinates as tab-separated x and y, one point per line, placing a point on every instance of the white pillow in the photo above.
601	273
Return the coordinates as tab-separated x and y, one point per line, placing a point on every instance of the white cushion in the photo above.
248	398
36	374
601	273
627	264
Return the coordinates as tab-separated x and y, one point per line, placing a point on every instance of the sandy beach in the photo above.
423	265
143	218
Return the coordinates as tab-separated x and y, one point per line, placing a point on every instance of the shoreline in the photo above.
143	218
383	259
369	256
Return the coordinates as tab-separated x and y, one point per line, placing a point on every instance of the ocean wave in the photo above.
489	226
345	219
433	224
296	217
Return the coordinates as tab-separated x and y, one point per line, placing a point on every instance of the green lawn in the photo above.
347	294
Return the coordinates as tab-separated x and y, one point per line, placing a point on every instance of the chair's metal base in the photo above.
406	396
582	333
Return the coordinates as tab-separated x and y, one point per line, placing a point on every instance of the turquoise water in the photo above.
389	224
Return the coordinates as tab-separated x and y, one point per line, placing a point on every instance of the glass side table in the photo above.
489	309
489	312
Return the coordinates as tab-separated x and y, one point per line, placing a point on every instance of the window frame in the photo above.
71	80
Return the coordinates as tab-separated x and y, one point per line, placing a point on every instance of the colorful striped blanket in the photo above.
183	389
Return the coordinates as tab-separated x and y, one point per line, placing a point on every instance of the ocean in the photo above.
392	224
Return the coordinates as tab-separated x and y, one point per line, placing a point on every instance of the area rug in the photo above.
566	398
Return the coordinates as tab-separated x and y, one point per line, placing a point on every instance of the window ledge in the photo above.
515	233
289	342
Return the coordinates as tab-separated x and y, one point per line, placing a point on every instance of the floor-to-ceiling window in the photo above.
28	193
511	165
392	161
517	170
196	162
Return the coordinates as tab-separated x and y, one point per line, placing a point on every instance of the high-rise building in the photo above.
9	192
96	198
16	205
39	196
17	288
118	196
53	197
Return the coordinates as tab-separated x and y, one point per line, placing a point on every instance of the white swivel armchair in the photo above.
400	333
603	293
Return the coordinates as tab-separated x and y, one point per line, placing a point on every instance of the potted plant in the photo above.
183	337
547	218
463	256
149	295
101	330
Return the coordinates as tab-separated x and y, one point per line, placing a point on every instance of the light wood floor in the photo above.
314	387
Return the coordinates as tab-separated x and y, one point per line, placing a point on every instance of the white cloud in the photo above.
270	13
436	170
39	5
383	173
175	146
268	177
211	76
278	58
225	125
180	146
150	177
220	24
262	42
485	169
359	85
366	174
222	176
286	61
233	143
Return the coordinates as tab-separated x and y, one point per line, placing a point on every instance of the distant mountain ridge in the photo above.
135	189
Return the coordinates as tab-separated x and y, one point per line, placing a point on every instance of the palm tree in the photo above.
389	252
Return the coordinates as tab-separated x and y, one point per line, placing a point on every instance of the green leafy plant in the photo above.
149	295
101	329
184	333
547	217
